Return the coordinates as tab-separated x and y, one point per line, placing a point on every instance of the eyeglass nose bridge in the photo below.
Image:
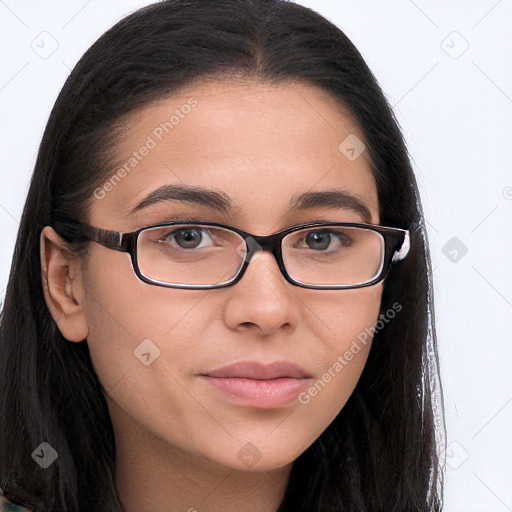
255	243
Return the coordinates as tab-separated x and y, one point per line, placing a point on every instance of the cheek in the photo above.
129	319
343	341
339	318
141	343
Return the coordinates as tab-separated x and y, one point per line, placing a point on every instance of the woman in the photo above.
220	296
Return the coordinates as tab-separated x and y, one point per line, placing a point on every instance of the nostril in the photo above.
249	327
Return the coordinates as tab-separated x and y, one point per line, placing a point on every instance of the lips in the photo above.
260	385
260	371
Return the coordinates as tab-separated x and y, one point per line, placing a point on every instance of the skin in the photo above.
177	438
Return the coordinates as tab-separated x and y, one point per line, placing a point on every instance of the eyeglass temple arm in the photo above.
404	249
75	231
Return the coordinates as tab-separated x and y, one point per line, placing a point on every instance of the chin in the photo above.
252	459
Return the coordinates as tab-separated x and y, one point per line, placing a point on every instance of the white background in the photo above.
455	109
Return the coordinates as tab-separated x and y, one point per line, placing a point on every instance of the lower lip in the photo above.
265	394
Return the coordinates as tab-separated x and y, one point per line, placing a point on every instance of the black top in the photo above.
9	506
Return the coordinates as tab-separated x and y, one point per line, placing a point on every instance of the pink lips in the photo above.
259	385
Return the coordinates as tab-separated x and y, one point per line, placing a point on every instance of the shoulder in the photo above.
9	506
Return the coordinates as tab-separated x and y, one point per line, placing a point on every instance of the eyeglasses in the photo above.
205	255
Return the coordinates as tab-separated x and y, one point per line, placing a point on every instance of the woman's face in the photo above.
261	146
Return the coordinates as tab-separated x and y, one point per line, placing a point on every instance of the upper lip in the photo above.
259	370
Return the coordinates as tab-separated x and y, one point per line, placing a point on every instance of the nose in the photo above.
262	300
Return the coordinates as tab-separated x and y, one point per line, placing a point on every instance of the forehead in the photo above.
262	144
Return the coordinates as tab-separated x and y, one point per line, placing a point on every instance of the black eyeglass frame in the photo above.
396	247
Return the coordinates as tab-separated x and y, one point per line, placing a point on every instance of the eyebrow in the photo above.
220	201
334	198
216	200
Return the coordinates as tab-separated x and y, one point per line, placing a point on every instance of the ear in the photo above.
62	286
